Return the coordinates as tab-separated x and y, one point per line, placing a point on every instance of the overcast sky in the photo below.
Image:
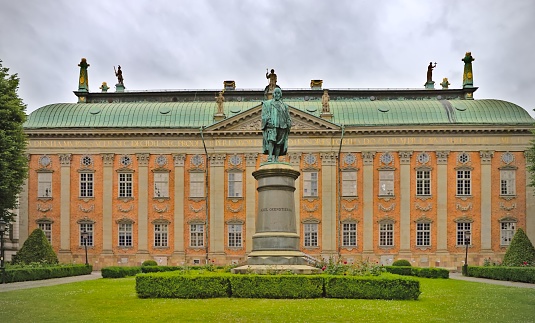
199	44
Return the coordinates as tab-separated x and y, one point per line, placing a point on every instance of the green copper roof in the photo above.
347	112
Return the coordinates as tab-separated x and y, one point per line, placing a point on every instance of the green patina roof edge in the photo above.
346	112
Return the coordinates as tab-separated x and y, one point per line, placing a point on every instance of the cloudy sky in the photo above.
199	44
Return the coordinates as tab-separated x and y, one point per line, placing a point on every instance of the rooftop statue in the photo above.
219	99
445	83
468	80
325	102
272	77
83	84
276	125
119	75
430	72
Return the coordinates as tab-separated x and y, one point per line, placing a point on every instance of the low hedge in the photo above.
174	285
120	271
430	272
515	274
159	269
39	273
372	287
276	286
211	285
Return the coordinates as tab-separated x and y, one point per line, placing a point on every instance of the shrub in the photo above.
120	271
149	263
174	285
401	262
520	252
36	249
45	272
419	272
336	266
372	287
276	286
516	274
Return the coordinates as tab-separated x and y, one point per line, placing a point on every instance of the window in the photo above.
160	235
235	235
507	182
464	182
386	182
349	183
125	234
507	231
386	234
461	228
86	184
196	184
161	184
44	186
196	235
423	182
235	184
47	229
349	234
88	228
311	234
310	184
125	185
423	234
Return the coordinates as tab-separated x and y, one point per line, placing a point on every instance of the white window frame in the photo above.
349	183
196	235
386	234
125	234
386	182
507	182
310	231
423	182
464	182
126	184
235	184
235	234
349	234
423	234
310	183
161	184
47	229
88	227
161	235
196	184
87	184
461	228
44	185
507	232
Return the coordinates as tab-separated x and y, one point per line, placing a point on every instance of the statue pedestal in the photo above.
119	87
276	241
430	85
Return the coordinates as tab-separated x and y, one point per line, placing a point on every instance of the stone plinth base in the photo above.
276	258
276	269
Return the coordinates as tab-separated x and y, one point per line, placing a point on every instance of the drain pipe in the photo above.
206	207
339	166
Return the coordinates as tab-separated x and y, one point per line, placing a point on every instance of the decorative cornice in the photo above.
328	159
423	219
179	159
250	159
310	209
143	159
127	209
387	209
486	156
367	158
405	157
350	209
464	208
196	210
424	208
217	160
108	159
236	210
464	219
44	208
86	210
507	208
442	157
162	210
65	159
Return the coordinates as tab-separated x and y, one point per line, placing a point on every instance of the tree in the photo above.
36	249
13	163
520	251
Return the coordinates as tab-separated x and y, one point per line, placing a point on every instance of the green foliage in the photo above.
120	271
36	249
276	286
174	285
149	263
185	269
28	273
13	163
520	252
419	272
337	266
516	274
401	262
372	287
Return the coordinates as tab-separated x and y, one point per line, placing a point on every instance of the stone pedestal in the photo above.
276	241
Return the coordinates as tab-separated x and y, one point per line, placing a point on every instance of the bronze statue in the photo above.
325	102
276	123
468	78
430	72
119	75
272	80
219	99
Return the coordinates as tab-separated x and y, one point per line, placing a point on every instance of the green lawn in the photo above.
115	300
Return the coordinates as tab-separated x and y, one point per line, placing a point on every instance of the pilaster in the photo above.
486	194
367	209
250	200
442	201
328	203
295	161
65	198
107	202
143	202
178	200
217	204
405	201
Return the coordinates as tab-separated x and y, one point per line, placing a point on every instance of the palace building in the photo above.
384	174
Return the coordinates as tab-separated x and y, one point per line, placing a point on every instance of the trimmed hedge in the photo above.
401	262
120	271
372	287
515	274
276	286
210	285
39	273
419	272
173	285
159	269
149	263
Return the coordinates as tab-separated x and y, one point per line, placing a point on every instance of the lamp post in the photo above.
2	266
85	235
466	243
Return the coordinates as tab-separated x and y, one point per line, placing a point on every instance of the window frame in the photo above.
125	234
507	234
161	184
46	227
44	185
507	185
423	182
349	185
125	188
161	235
196	235
310	234
234	185
235	235
87	185
386	234
386	182
89	229
463	182
423	234
197	185
460	228
349	234
310	184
